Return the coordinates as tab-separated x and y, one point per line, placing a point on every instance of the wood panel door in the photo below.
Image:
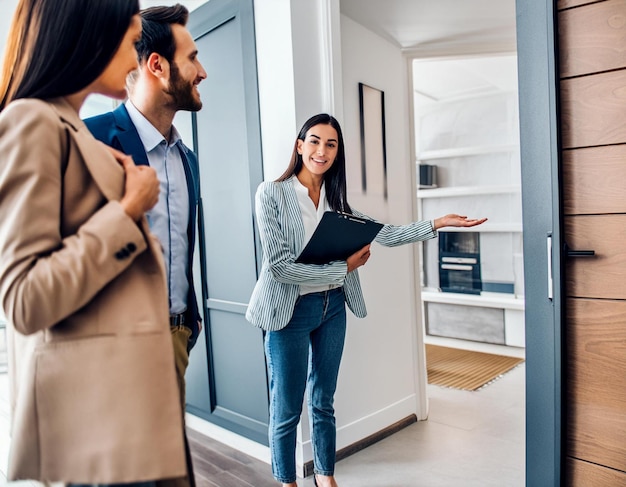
592	48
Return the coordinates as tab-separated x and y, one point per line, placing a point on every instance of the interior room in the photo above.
448	72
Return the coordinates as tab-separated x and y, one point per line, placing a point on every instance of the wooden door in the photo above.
592	48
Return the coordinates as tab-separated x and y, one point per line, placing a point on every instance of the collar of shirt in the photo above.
305	201
149	135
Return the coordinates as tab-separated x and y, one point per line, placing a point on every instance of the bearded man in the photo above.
165	82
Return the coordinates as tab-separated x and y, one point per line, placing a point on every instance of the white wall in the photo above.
298	62
7	7
276	83
379	377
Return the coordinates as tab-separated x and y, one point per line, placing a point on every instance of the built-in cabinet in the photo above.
466	120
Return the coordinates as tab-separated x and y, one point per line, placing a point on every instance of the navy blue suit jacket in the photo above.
118	131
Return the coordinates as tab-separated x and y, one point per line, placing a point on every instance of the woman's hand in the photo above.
359	258
141	190
453	220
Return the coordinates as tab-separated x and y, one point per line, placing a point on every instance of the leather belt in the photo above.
176	320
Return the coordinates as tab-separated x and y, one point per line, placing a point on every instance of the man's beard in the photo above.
182	92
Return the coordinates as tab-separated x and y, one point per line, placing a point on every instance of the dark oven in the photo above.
459	262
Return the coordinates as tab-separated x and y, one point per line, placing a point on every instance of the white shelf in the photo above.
485	300
467	191
464	152
488	227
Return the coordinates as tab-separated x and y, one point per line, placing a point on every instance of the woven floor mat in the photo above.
464	369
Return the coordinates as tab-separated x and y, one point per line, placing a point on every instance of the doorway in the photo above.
467	156
467	160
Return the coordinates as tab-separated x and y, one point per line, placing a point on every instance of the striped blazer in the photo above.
281	232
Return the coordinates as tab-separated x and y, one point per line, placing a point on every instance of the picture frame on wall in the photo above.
373	141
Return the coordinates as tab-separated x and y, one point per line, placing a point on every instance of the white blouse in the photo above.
311	216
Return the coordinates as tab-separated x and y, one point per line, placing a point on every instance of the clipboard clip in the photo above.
349	216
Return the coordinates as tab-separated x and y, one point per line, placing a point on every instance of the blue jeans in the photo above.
311	344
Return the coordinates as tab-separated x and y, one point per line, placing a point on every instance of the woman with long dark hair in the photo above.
302	306
92	378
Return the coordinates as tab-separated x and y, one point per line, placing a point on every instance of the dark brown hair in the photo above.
156	35
58	47
335	177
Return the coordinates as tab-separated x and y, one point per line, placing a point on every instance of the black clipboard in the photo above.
338	236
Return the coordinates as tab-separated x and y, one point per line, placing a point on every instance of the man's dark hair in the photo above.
157	31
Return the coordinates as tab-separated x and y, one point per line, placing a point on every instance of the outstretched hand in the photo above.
454	220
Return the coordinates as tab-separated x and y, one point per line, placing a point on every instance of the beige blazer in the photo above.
93	388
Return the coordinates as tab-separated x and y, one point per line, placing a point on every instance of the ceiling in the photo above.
430	29
438	26
462	47
450	79
427	26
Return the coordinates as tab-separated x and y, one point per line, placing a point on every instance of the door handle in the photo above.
578	253
550	280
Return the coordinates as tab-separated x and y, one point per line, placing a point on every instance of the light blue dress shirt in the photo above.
170	216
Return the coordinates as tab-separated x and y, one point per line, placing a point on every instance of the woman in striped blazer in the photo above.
302	306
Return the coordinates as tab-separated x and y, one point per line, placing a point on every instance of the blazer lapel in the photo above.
128	137
294	213
190	174
106	172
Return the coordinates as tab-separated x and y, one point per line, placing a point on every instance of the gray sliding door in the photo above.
227	380
542	238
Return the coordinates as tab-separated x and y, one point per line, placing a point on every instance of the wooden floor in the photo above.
217	465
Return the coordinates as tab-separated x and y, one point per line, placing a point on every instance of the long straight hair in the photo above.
58	47
335	177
